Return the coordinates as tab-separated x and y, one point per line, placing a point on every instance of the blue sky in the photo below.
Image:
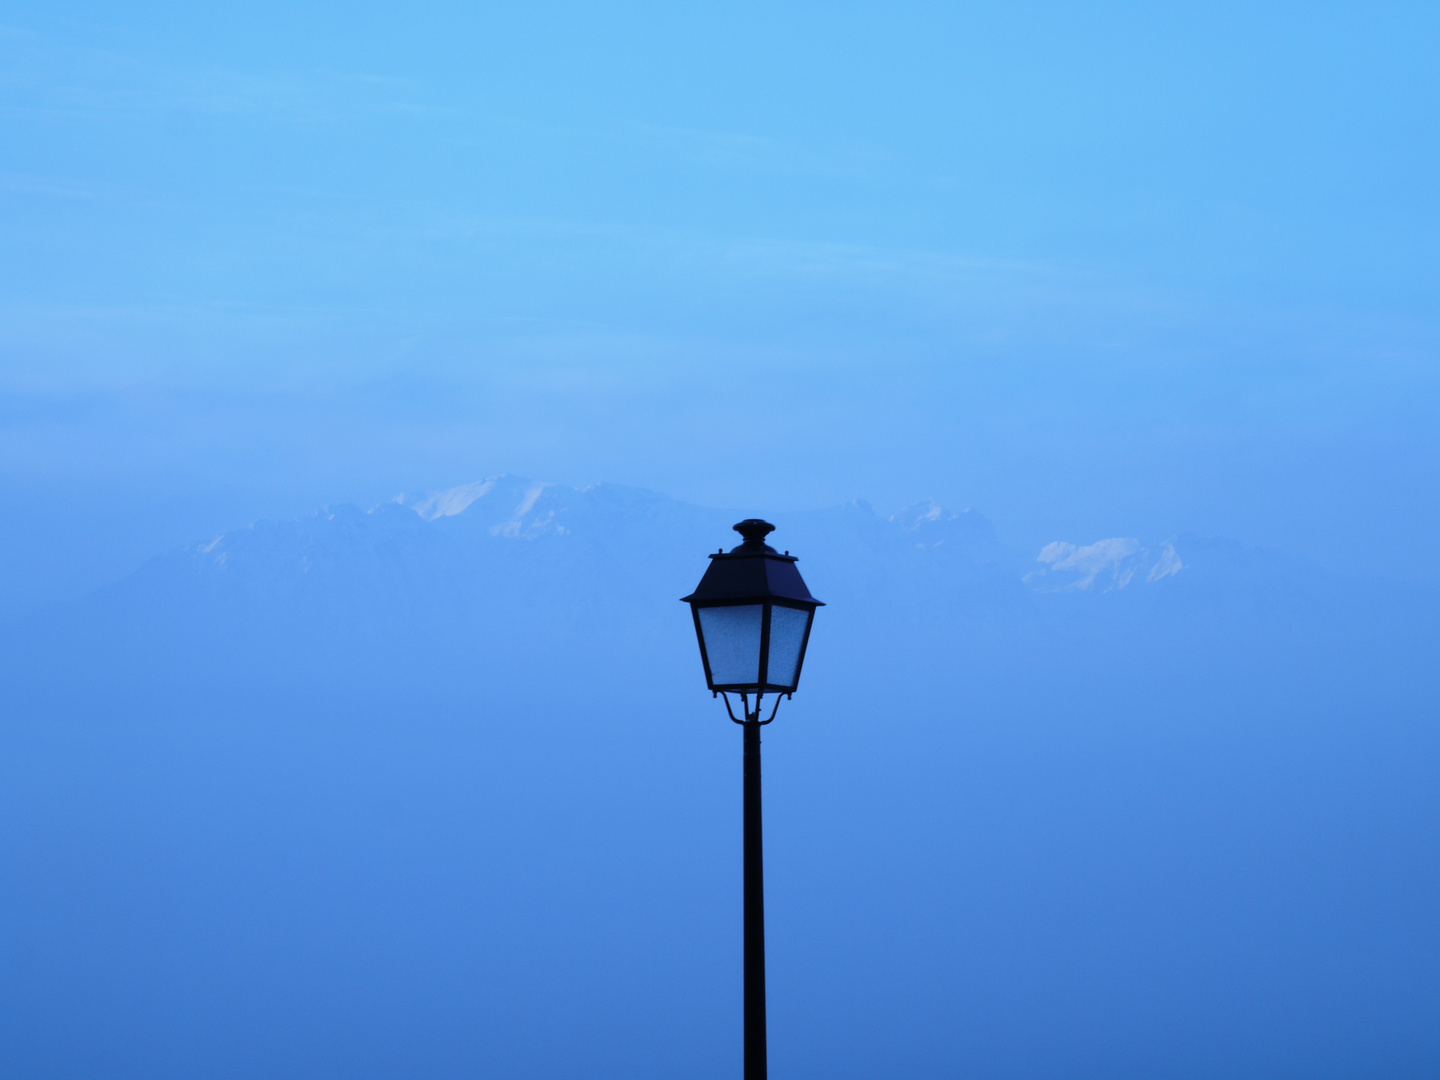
1094	270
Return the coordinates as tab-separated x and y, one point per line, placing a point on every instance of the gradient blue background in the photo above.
1097	271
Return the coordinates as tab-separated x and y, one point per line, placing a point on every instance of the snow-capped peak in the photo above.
1113	563
935	525
509	506
514	496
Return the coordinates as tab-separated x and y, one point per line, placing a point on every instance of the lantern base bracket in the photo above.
749	717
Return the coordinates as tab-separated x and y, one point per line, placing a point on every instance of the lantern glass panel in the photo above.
732	643
787	638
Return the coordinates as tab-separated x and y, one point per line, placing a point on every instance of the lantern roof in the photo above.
752	571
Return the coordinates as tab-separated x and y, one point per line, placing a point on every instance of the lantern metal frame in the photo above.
762	685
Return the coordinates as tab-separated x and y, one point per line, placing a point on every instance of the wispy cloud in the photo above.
46	76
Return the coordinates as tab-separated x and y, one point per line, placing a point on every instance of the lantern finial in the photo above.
754	530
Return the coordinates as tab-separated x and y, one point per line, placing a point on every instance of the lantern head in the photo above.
752	616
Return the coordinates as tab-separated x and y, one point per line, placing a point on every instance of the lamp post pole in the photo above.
755	1056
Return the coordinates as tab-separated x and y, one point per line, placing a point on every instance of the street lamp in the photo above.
752	617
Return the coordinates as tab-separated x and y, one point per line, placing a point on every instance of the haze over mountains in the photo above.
435	788
472	570
610	533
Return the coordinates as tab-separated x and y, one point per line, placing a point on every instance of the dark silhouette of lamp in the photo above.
752	618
